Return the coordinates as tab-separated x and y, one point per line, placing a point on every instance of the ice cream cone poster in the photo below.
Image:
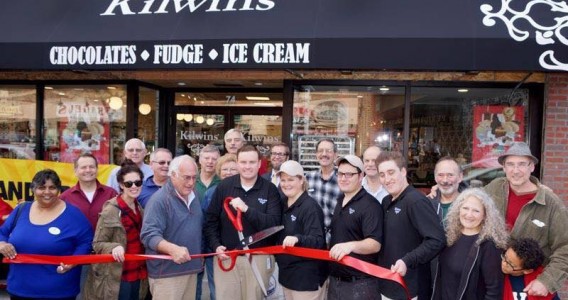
495	128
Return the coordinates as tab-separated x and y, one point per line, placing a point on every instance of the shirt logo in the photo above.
293	218
538	223
262	201
397	210
54	230
351	211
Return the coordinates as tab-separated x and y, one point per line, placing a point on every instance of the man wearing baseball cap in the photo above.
533	211
356	230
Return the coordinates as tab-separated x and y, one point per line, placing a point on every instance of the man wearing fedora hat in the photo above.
533	211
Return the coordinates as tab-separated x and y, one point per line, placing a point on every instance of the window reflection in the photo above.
17	122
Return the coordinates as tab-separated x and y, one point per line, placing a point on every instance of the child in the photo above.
522	263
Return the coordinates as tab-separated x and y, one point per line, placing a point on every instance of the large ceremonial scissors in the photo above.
236	220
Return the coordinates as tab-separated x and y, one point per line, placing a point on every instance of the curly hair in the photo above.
492	227
528	251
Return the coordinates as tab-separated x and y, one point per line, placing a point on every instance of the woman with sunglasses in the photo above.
118	233
470	266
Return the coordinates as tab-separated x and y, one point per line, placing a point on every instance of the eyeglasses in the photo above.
232	170
162	162
347	175
504	258
521	165
129	184
281	154
320	151
137	150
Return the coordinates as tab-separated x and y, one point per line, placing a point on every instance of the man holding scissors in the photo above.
257	201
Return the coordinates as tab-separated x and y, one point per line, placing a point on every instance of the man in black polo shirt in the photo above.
259	201
356	230
413	234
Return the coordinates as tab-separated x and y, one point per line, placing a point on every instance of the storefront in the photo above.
426	78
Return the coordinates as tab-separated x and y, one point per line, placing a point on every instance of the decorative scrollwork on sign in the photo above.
543	34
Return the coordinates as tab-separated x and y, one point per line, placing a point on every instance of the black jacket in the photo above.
265	210
304	220
413	233
482	277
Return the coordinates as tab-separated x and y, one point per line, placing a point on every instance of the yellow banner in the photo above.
16	176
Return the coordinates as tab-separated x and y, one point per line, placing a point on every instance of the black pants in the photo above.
364	288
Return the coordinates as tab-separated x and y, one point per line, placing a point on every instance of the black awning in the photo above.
258	34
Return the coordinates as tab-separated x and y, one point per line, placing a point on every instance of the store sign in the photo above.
9	109
147	7
181	54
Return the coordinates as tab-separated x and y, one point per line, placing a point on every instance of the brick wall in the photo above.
555	140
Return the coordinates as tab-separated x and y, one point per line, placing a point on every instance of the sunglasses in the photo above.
129	184
162	162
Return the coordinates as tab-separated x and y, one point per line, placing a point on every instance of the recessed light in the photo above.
359	96
257	98
384	89
258	83
183	95
463	90
111	87
181	83
49	88
61	94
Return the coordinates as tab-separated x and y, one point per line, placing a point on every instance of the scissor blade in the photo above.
261	235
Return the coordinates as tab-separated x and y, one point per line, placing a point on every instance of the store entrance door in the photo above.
198	126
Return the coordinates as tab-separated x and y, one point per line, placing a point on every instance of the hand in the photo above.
433	192
399	267
536	288
221	253
118	253
338	251
238	203
8	250
289	241
63	268
179	254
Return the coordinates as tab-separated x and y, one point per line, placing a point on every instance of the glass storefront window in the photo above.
354	116
148	117
473	125
195	131
17	122
80	119
229	99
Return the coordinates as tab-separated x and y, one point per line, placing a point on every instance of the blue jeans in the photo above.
129	290
209	269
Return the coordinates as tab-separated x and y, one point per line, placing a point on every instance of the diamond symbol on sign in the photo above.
213	54
145	55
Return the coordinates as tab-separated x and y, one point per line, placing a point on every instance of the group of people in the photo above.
504	241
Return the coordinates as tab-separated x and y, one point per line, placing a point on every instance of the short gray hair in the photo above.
158	150
130	141
210	148
176	163
234	130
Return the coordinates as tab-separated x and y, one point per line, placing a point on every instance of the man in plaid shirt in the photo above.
322	183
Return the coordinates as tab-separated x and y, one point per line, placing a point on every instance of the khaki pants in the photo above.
173	288
240	283
303	295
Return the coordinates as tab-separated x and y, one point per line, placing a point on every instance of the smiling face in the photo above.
161	163
348	178
46	195
86	169
448	177
518	170
325	154
292	186
248	165
369	158
392	177
472	214
135	151
278	155
229	168
133	191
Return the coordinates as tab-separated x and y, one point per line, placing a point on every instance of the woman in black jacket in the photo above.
301	278
470	266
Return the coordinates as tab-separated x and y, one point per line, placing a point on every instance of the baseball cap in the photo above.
292	168
352	160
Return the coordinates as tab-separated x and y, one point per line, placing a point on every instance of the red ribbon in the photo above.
349	261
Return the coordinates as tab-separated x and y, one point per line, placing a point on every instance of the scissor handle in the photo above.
233	257
235	219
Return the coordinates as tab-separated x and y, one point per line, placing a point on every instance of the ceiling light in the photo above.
463	90
188	117
257	98
111	87
61	94
258	83
199	119
181	83
210	121
180	117
49	88
144	109
384	88
115	102
359	96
